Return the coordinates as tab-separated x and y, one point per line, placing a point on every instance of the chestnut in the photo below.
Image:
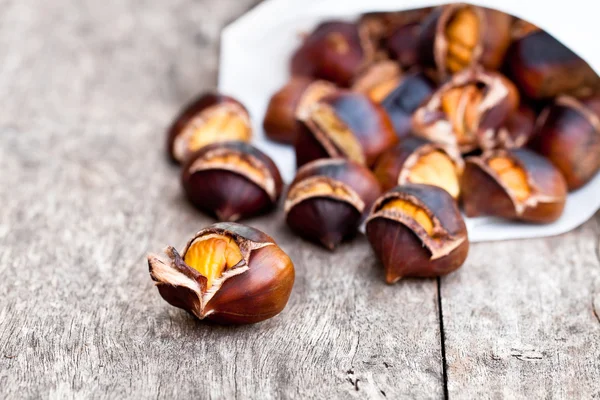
400	104
344	124
417	231
543	68
228	273
280	120
416	160
335	51
208	119
467	112
514	184
381	25
402	45
516	132
328	200
231	180
459	36
379	80
569	136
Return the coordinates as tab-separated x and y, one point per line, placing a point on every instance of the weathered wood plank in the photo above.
86	192
520	322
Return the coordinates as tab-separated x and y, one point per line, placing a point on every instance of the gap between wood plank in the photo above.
442	338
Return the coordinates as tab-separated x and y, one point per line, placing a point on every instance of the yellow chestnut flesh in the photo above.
436	169
338	132
233	161
461	106
411	210
462	33
318	188
212	255
512	176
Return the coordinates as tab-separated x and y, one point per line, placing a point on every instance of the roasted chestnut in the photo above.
467	112
458	36
336	51
416	160
344	124
378	80
208	119
543	68
417	231
400	105
569	136
381	25
516	132
280	121
231	180
228	273
402	45
328	200
514	184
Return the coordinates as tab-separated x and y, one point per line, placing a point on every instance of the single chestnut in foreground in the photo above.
416	160
231	180
379	80
208	119
228	273
513	184
543	68
467	112
299	93
336	51
328	199
417	231
569	136
345	124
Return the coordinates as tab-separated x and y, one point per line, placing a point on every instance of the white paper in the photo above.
255	52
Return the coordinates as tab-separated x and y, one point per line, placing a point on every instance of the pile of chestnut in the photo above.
397	119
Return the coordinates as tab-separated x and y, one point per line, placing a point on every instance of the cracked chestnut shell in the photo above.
456	37
228	273
543	68
410	94
467	113
335	51
208	119
328	200
569	136
347	125
232	180
416	160
379	80
417	231
513	184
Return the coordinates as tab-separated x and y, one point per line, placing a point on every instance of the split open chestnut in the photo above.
345	124
227	273
417	231
379	80
416	160
328	200
514	184
209	119
232	180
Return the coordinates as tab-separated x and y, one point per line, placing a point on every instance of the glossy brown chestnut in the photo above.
417	231
328	199
416	160
458	36
379	80
403	45
514	184
208	119
569	136
400	104
280	121
228	273
345	124
231	180
381	25
467	112
516	132
543	68
336	51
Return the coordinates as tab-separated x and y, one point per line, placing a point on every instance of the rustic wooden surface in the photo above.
88	88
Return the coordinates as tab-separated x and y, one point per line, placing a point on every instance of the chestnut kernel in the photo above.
467	112
299	93
232	180
569	136
228	273
379	80
514	184
417	231
328	200
347	125
415	160
208	119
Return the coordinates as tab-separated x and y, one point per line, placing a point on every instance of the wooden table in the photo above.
87	90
